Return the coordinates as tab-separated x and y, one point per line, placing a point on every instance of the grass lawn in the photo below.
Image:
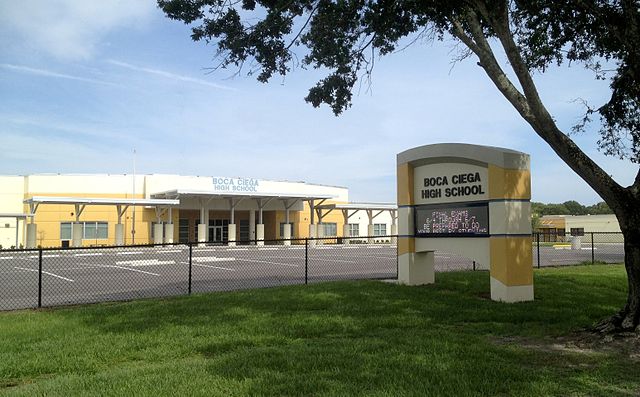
363	338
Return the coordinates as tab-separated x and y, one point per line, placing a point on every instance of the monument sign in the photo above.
470	200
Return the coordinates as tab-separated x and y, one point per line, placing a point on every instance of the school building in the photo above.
554	228
92	210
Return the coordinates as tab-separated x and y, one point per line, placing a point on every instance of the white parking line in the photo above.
269	262
237	249
6	257
50	274
133	270
169	251
130	253
346	248
145	262
89	254
215	267
331	260
206	259
51	256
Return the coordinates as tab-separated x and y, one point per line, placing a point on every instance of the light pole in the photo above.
133	226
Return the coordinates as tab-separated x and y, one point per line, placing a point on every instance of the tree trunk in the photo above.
628	318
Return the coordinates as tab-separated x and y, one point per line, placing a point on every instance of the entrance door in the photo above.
215	234
218	230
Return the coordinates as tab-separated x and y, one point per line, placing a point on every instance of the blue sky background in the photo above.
83	83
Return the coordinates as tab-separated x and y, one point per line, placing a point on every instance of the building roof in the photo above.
99	201
14	215
255	195
359	206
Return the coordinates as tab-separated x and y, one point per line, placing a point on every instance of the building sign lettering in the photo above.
436	186
235	184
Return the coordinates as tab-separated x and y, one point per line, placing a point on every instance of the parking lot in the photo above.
77	276
95	275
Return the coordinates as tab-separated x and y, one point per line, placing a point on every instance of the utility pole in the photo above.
133	226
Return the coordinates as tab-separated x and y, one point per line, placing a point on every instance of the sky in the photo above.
84	84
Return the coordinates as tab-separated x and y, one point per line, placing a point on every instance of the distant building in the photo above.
560	227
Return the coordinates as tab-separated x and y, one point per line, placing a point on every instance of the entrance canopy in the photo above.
371	209
359	206
81	202
349	209
15	216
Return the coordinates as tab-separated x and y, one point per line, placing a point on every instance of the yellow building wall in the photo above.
50	216
303	221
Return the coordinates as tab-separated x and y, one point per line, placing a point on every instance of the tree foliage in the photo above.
569	208
345	37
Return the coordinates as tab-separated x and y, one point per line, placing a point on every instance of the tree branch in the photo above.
538	117
488	61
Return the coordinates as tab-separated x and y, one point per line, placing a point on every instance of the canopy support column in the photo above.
286	229
119	226
231	231
370	231
260	225
202	226
77	228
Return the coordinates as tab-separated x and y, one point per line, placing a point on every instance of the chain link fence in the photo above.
561	249
63	276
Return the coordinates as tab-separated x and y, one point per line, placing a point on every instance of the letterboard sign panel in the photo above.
457	220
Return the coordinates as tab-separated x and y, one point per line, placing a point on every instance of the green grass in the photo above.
340	339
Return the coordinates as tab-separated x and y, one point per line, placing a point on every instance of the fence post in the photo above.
593	251
538	247
474	266
190	261
306	261
40	277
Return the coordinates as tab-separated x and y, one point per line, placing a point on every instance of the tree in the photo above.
574	207
345	36
600	208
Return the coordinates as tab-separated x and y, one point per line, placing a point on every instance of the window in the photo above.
183	230
330	229
282	229
244	230
95	230
65	230
379	229
90	230
354	230
577	231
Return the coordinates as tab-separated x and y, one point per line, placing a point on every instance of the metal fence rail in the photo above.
62	276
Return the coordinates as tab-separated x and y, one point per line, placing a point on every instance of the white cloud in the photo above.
67	29
49	73
168	75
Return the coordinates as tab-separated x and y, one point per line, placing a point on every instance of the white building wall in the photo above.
593	223
362	219
11	196
89	184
